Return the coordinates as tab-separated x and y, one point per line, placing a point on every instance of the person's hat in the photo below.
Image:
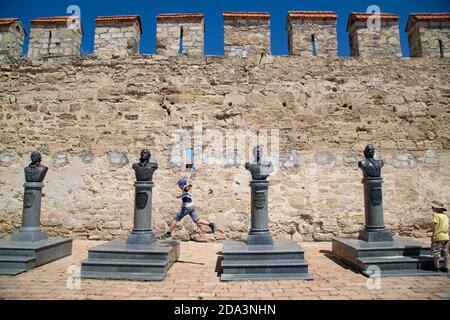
438	205
182	182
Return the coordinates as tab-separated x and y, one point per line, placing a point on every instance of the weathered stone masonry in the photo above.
117	35
246	33
90	117
312	29
180	34
429	35
12	35
364	40
55	36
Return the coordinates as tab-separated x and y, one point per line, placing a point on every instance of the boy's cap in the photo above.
182	182
438	205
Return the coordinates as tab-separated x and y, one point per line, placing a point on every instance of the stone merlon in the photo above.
180	33
357	17
429	34
12	35
6	22
117	35
102	20
374	34
246	33
312	33
55	36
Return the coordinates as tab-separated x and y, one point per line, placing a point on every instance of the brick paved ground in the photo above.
193	277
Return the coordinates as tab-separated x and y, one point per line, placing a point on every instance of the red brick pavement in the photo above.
194	277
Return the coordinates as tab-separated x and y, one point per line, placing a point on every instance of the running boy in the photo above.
187	208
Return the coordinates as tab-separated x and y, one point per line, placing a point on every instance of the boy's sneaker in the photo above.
166	235
213	227
445	270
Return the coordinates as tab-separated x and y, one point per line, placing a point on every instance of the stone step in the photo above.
396	263
127	255
123	265
11	271
12	265
260	263
118	260
17	252
265	256
263	266
118	250
387	252
156	276
409	272
262	277
281	250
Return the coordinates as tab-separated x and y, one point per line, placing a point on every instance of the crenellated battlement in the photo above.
366	38
117	35
429	35
180	34
246	33
310	33
55	36
12	36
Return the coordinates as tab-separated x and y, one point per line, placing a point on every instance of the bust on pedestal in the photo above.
141	256
34	175
376	253
142	231
259	232
261	257
31	247
374	229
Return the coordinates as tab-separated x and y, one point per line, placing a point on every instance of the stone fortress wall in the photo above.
91	115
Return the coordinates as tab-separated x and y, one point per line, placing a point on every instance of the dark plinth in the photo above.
400	257
140	256
120	261
30	247
20	256
142	231
284	260
375	235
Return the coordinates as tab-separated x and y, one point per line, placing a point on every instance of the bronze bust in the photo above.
35	172
260	169
370	167
144	169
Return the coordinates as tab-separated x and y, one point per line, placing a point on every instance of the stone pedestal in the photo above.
376	253
259	231
31	215
140	256
374	229
400	257
142	231
261	257
30	247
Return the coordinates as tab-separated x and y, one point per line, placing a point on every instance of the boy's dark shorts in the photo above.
438	248
186	211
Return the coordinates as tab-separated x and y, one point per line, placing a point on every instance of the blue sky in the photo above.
148	9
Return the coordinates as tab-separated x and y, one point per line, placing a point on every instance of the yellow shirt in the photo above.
441	221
